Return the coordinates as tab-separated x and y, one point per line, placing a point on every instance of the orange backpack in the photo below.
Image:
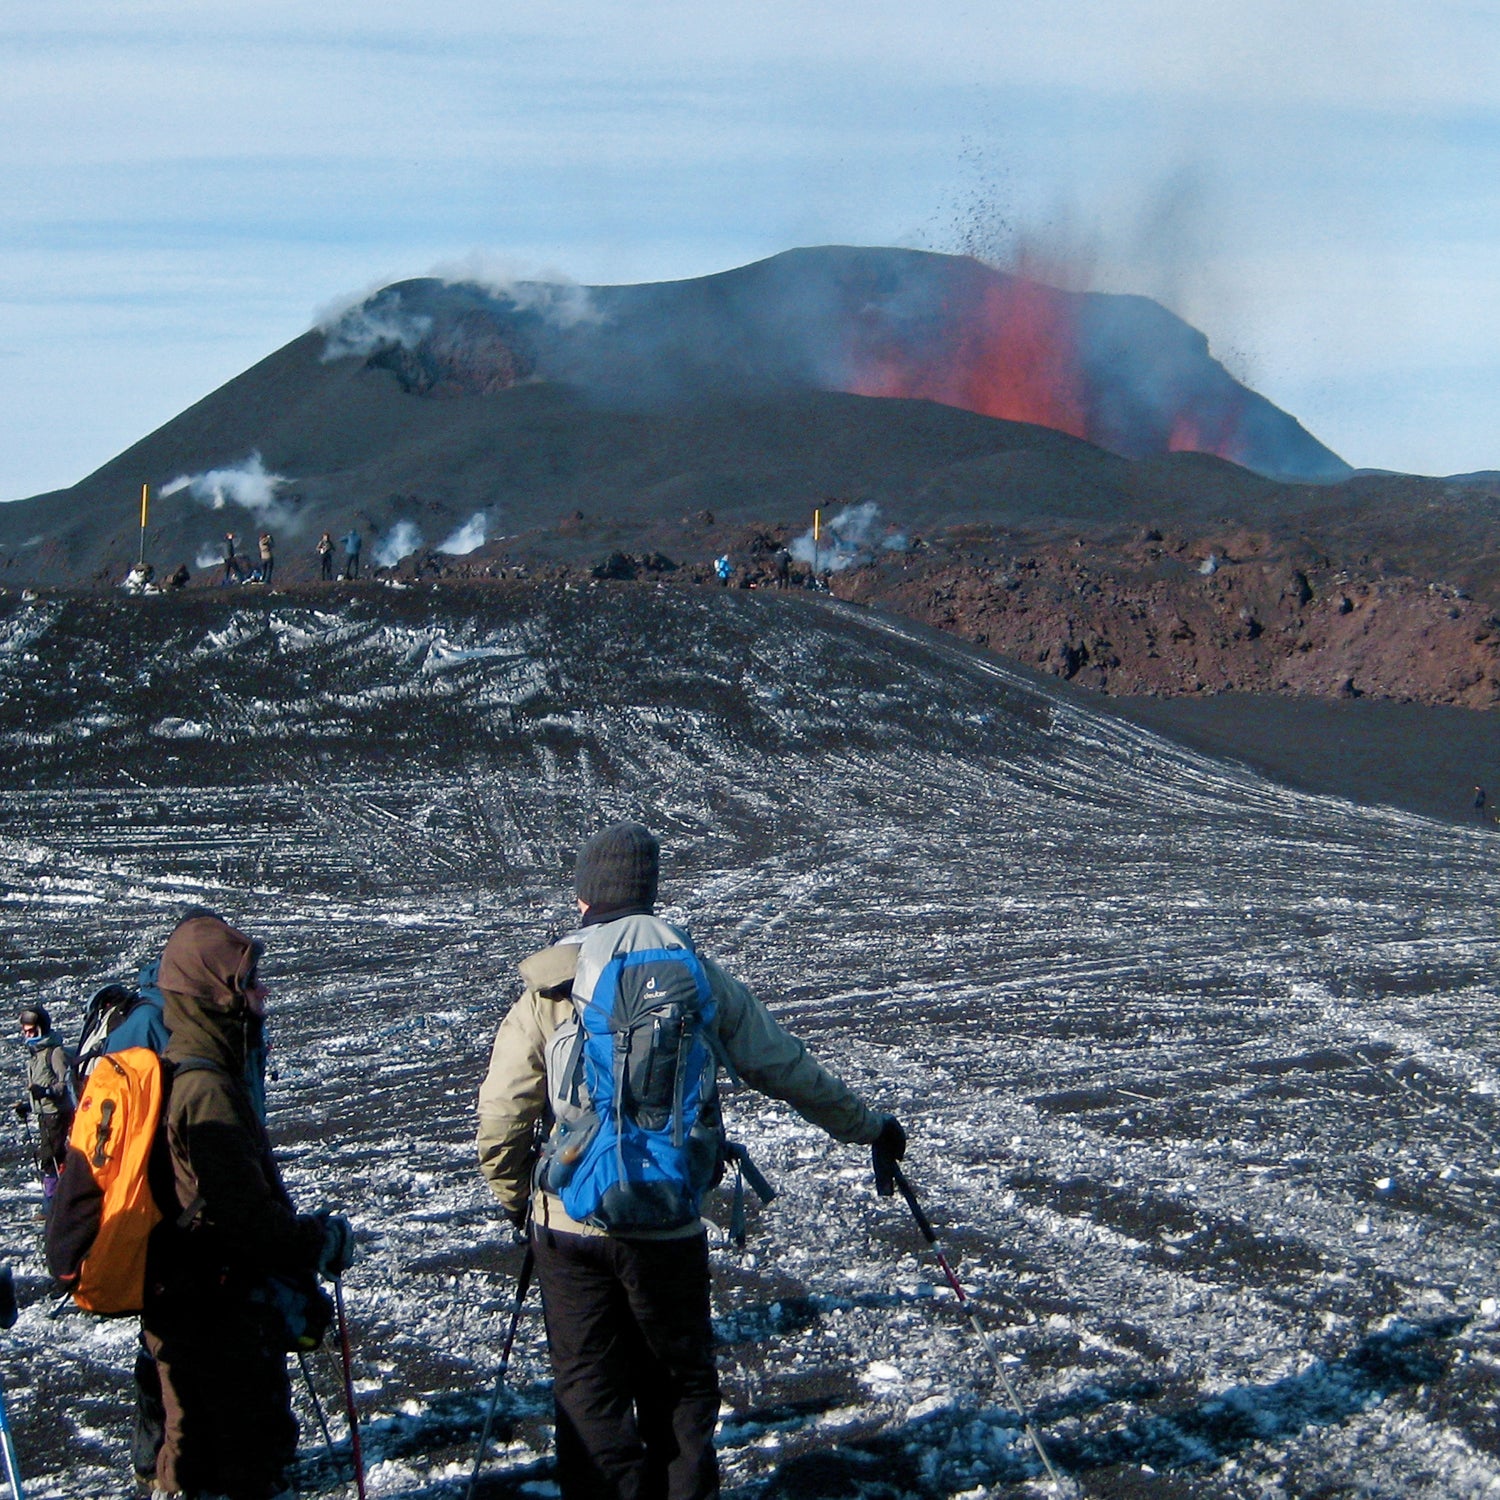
104	1209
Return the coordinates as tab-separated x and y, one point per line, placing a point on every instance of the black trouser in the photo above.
227	1403
327	565
150	1421
634	1380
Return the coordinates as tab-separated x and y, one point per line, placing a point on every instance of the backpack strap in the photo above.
199	1065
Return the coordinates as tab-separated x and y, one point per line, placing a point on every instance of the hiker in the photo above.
325	556
723	568
351	554
636	1390
144	1025
232	568
49	1095
267	546
179	579
231	1250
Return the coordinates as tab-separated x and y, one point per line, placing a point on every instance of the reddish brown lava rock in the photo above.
1172	615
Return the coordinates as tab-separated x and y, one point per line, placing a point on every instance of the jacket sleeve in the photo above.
771	1059
512	1099
223	1171
59	1079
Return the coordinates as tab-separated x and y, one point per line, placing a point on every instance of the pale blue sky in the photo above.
1314	185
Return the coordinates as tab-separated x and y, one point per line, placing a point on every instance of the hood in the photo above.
209	961
204	969
551	971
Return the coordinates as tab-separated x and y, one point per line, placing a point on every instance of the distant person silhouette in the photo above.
325	556
352	544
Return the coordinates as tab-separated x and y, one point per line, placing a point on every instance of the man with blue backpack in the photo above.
612	1055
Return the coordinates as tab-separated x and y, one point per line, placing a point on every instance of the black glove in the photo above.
23	1109
338	1245
885	1151
38	1092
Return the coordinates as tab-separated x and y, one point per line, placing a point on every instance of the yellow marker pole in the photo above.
145	504
817	534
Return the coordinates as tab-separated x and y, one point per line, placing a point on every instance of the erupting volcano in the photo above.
1121	372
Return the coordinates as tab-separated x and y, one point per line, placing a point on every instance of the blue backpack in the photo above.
637	1136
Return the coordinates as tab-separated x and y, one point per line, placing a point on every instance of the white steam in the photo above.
850	539
555	297
377	322
400	541
251	486
466	538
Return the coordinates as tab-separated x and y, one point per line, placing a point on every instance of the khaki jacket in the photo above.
513	1097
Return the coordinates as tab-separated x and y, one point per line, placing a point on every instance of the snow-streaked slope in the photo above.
1200	1073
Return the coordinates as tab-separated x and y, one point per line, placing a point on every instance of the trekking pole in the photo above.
523	1282
33	1145
9	1312
317	1405
930	1235
7	1444
359	1458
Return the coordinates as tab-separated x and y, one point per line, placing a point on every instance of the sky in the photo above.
1314	185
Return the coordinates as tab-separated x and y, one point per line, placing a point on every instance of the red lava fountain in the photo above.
1014	355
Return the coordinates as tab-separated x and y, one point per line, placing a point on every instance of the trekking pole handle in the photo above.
761	1188
923	1222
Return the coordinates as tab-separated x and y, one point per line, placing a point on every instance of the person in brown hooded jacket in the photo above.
218	1336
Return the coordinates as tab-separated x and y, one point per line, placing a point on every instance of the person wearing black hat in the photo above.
635	1386
49	1092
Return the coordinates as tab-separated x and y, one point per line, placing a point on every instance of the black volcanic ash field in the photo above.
1200	1073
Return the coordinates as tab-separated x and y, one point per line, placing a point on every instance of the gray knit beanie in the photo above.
618	867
